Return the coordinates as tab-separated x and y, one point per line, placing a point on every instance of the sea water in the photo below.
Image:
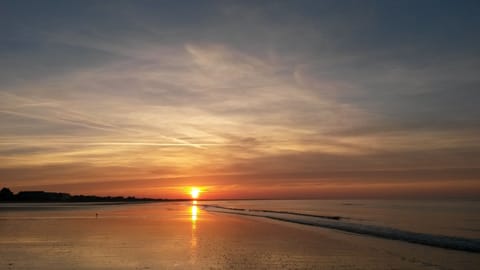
448	224
343	234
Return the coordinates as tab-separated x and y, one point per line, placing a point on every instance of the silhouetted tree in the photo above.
6	194
42	196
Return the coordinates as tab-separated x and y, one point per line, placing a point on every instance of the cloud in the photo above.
240	92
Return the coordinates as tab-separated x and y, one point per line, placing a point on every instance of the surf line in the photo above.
442	241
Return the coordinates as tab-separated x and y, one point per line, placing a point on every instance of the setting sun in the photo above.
240	134
195	192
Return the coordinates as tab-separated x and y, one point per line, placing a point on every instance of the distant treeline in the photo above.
7	195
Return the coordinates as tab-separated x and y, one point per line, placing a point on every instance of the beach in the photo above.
330	135
186	236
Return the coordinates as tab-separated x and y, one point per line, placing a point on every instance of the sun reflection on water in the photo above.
194	211
193	243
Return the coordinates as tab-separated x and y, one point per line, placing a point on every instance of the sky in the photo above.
243	99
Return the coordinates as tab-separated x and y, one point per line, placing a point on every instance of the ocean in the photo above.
449	224
241	234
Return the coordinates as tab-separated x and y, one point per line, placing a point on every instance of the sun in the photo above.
195	192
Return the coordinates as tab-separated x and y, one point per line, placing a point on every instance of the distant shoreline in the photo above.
101	202
6	195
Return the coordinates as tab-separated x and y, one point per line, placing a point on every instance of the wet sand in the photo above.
181	236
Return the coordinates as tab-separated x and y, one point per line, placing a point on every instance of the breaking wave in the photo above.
339	223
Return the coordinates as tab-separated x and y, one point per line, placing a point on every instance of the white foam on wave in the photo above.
338	223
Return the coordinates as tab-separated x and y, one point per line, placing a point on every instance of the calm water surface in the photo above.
451	218
183	235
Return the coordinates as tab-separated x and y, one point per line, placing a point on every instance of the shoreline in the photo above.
334	223
185	236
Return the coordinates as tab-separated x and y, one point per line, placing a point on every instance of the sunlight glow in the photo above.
195	192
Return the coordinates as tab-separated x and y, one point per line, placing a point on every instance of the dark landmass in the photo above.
6	195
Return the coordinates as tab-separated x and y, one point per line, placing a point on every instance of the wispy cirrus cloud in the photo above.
206	94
